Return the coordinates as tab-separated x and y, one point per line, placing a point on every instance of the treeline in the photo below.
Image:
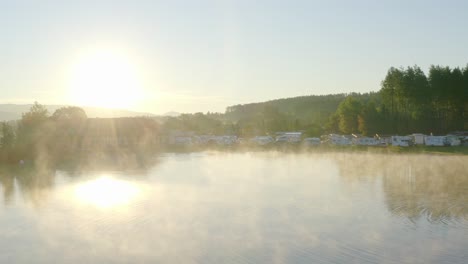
36	136
69	136
409	101
436	103
305	113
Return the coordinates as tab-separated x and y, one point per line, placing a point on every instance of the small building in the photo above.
418	139
402	141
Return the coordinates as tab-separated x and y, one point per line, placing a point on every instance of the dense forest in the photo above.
409	101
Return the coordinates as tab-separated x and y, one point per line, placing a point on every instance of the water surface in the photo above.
241	208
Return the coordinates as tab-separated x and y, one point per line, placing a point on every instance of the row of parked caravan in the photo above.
280	138
421	139
187	140
347	140
402	141
228	140
296	138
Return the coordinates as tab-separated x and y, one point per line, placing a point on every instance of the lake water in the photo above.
266	207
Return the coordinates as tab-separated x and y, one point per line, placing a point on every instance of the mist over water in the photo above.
253	207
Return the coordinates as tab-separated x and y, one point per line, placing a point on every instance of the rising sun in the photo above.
105	79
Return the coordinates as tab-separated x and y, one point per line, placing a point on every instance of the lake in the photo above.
257	207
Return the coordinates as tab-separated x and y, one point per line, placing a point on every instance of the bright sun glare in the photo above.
106	192
105	79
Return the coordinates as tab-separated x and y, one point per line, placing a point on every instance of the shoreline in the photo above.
130	159
431	150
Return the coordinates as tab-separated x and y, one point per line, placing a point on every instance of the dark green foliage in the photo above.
348	112
433	104
313	115
33	131
198	122
369	120
8	136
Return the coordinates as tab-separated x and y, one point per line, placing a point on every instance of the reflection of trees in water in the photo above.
431	186
359	166
34	183
111	160
7	184
435	187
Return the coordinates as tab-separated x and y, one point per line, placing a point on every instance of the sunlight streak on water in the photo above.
106	192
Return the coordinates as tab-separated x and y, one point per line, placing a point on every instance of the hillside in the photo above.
311	108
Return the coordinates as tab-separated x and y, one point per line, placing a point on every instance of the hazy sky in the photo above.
190	56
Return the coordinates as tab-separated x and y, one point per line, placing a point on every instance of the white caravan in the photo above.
288	137
401	141
262	140
226	140
452	141
182	140
435	141
311	141
366	141
339	140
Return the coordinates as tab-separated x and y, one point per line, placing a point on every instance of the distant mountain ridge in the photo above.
172	114
14	111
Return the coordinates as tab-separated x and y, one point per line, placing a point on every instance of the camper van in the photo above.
438	141
462	136
384	140
339	140
262	140
311	141
365	141
226	140
452	141
401	141
288	137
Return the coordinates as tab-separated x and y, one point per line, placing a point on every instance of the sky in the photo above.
199	55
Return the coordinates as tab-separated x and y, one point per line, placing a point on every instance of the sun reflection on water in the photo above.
107	192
